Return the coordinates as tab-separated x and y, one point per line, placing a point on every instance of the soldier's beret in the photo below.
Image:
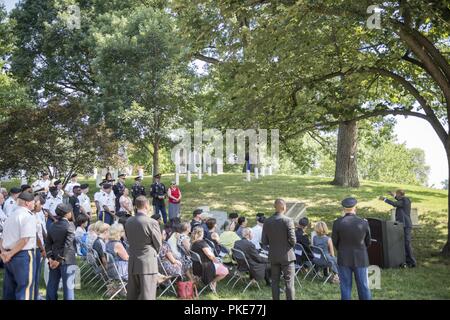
26	196
84	186
349	202
57	182
44	174
24	187
122	175
138	178
74	175
15	190
106	186
158	175
62	209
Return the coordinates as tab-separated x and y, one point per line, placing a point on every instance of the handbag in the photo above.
187	290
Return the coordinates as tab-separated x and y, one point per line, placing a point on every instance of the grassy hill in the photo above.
230	192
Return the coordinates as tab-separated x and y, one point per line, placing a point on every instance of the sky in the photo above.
415	132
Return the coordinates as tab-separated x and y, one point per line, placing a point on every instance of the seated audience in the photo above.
257	230
92	234
323	241
211	225
228	239
302	237
241	224
172	266
99	244
184	246
157	217
115	247
196	219
232	218
259	266
213	270
81	235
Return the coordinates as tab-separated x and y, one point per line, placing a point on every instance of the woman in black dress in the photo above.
213	270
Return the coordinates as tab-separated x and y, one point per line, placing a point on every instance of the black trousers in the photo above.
410	260
288	270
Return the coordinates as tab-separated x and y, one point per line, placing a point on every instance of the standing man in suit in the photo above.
61	250
279	234
351	237
402	206
259	266
144	239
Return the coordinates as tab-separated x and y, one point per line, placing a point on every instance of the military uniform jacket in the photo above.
137	190
157	189
351	237
60	244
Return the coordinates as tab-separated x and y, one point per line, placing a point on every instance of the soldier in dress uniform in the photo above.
18	246
73	182
85	201
11	203
58	184
52	201
107	203
118	189
43	184
138	189
158	192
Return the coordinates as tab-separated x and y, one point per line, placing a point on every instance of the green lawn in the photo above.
430	280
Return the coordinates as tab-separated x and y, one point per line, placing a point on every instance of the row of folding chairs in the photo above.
105	280
319	264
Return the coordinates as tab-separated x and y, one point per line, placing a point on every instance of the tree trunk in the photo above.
156	156
346	174
446	248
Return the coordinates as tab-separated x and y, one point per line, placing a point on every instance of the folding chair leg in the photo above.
231	279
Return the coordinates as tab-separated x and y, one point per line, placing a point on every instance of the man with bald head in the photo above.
279	234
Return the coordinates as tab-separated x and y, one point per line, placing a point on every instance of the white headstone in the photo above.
199	173
270	170
263	171
256	173
23	176
188	176
248	175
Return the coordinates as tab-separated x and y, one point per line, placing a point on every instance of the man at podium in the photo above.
402	206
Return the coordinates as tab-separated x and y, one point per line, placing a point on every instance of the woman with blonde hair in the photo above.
213	270
323	241
115	247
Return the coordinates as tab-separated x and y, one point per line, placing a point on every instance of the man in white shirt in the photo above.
59	186
73	182
107	204
52	201
17	246
257	230
85	202
11	203
43	184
